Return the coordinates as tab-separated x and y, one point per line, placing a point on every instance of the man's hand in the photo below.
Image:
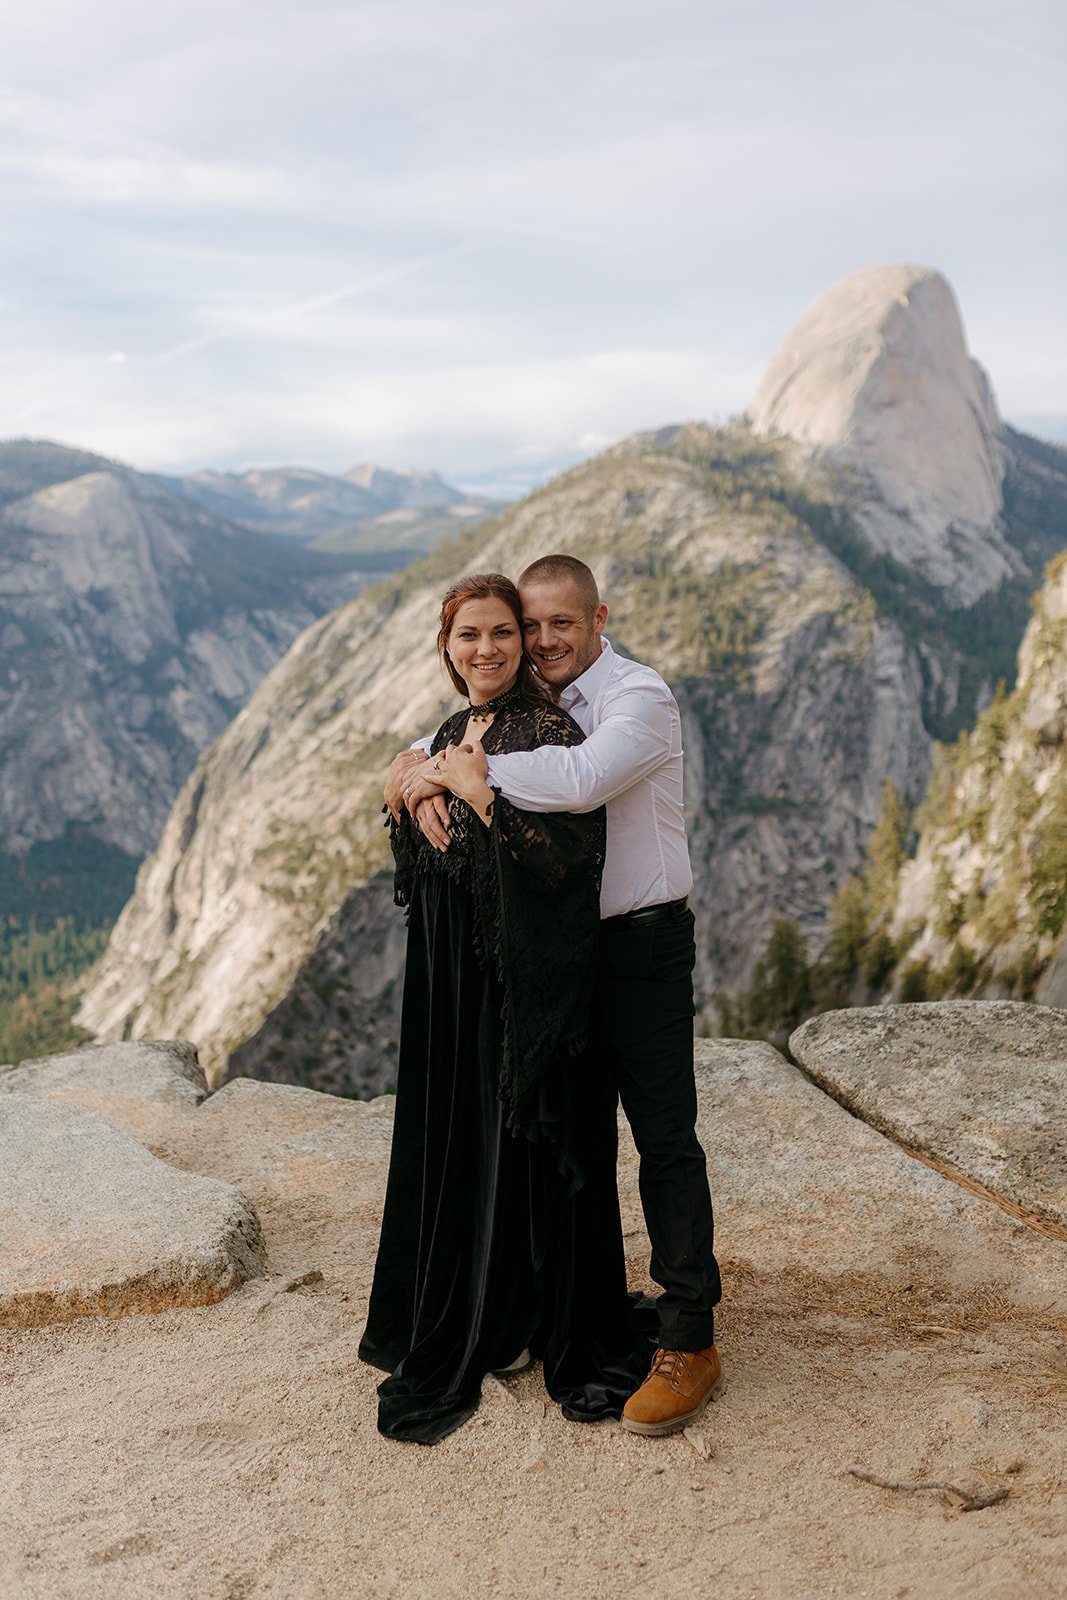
403	764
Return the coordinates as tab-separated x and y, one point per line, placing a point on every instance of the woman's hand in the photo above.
422	782
461	769
434	821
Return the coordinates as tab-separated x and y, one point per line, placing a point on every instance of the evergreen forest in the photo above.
58	902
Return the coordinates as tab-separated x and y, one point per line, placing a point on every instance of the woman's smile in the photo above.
485	647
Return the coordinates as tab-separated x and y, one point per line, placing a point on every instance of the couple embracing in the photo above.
540	846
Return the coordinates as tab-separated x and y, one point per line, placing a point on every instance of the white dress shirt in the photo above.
631	762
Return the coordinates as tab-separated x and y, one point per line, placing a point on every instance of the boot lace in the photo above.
670	1364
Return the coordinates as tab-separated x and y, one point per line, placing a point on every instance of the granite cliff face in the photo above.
946	515
981	908
876	376
809	668
254	929
132	626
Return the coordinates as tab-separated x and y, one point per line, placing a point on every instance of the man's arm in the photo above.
635	735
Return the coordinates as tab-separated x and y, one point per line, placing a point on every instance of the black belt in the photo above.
636	919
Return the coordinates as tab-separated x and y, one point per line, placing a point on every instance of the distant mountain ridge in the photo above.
368	507
421	490
27	465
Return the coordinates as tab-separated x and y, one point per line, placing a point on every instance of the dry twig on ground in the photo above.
967	1502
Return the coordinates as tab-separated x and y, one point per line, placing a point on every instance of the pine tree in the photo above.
886	852
780	994
781	984
850	921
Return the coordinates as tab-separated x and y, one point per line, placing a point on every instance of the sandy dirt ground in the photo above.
876	1316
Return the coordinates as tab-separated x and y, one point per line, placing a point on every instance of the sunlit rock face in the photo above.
876	376
982	905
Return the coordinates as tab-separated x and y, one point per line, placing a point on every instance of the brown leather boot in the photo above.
677	1389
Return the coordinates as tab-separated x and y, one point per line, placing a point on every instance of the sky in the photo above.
491	237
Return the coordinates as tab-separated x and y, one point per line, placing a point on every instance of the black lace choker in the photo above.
486	707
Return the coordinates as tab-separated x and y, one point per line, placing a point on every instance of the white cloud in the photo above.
278	322
491	231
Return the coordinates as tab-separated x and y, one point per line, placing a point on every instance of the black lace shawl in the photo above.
535	881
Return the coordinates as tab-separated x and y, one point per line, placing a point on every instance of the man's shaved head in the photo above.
565	569
562	618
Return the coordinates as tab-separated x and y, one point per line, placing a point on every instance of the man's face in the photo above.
562	637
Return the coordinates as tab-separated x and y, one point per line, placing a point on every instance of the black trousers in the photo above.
644	1014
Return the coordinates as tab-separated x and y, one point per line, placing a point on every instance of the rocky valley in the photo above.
137	614
135	621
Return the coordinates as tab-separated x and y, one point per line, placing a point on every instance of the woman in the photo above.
501	1231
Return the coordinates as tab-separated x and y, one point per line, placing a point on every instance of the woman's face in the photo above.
486	647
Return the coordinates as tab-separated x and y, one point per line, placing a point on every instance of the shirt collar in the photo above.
588	685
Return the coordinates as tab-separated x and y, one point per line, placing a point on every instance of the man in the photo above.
631	762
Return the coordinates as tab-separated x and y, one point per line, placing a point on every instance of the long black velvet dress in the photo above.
501	1227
